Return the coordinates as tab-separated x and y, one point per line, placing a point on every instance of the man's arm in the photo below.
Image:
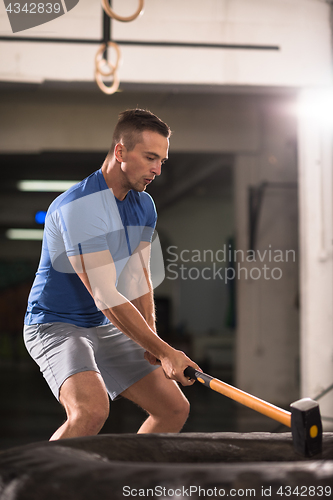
135	283
139	271
97	272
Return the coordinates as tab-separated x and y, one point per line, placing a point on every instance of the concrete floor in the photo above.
30	413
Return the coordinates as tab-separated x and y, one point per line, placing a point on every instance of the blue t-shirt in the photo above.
86	218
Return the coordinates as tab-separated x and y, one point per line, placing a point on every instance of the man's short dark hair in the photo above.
131	123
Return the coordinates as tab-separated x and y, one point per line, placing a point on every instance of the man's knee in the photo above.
90	417
86	402
179	410
184	408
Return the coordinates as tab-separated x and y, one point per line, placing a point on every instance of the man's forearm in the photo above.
131	322
146	306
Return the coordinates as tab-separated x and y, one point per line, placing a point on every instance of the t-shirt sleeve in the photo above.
79	226
83	226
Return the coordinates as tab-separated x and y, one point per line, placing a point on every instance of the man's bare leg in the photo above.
162	399
86	402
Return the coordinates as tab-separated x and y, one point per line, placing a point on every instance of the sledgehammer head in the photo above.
306	427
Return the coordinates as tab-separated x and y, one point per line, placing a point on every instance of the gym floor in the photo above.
29	412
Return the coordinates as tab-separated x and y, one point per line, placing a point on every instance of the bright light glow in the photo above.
317	105
24	234
40	216
45	186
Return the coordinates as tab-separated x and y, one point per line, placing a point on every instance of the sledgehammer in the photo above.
304	418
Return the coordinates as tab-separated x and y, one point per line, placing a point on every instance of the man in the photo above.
89	338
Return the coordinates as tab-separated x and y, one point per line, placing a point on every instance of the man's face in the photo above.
141	165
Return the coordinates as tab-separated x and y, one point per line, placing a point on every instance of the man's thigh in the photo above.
84	390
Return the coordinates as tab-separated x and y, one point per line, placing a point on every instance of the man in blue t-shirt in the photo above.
90	322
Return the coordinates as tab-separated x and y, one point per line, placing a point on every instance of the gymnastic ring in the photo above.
111	13
99	60
104	88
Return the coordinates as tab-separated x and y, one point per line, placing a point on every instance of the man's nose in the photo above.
157	168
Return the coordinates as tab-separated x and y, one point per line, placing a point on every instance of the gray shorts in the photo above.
63	349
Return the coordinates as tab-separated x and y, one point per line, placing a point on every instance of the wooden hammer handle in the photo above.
242	397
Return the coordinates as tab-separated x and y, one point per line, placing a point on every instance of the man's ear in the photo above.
119	152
